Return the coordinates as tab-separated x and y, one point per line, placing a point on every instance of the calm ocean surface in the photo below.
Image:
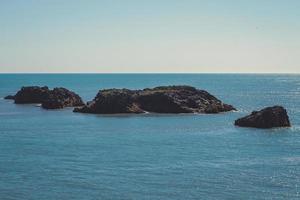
64	155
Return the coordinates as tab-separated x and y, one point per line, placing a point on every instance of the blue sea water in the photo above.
62	155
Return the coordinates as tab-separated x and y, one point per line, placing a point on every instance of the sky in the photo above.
125	36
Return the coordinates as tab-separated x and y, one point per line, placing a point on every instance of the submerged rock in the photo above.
269	117
165	99
50	99
10	97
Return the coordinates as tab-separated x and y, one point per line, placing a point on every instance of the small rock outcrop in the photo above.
32	94
269	117
10	97
164	99
50	99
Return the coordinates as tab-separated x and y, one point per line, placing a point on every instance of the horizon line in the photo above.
256	73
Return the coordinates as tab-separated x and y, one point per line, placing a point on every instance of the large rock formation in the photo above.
166	99
50	99
269	117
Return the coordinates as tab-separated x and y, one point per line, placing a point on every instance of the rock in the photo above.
10	97
269	117
180	99
165	99
60	98
50	99
32	94
112	101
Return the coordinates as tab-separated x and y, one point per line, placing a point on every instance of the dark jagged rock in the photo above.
50	99
269	117
60	98
32	94
180	99
112	101
165	99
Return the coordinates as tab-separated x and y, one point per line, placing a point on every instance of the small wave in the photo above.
9	113
294	159
242	111
295	128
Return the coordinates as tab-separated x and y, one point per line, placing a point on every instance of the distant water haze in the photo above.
150	36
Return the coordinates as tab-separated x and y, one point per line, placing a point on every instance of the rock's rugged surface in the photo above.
269	117
60	98
50	99
180	99
112	101
165	99
32	94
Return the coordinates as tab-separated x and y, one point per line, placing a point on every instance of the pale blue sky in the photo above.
150	36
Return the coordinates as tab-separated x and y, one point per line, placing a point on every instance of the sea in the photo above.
58	154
